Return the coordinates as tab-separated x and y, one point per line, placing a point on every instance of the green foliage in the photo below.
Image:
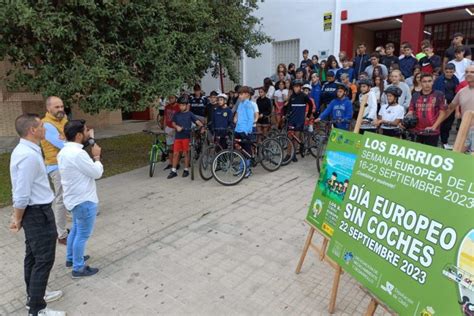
119	154
122	54
5	184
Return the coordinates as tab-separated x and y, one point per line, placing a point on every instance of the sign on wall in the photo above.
406	228
327	21
336	172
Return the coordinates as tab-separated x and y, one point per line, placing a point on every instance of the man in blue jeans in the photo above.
78	174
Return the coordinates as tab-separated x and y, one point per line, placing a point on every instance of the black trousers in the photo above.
390	132
445	128
40	240
430	140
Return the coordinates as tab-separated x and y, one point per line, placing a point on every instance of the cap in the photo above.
330	74
213	94
222	95
458	34
307	86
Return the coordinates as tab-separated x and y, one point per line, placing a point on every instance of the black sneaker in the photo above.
168	167
172	175
69	263
185	173
287	157
294	159
85	272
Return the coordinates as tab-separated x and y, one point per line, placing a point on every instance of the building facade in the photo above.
325	27
15	103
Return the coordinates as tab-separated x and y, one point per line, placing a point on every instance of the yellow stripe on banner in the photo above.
328	229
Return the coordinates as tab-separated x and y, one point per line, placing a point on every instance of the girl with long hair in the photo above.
332	65
268	88
416	83
322	71
280	97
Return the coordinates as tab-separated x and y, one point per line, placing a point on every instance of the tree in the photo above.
113	54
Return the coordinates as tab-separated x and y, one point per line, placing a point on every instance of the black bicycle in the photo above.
229	166
214	142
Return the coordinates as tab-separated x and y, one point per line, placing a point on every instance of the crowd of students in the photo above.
408	91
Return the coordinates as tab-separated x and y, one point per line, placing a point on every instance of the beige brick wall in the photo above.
100	120
8	113
13	104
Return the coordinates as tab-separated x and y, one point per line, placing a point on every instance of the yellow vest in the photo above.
50	152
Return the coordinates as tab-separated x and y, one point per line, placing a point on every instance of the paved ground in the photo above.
175	247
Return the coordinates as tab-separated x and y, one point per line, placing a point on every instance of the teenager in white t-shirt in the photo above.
460	63
391	114
280	96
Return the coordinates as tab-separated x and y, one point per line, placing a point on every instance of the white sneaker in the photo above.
51	296
448	147
50	312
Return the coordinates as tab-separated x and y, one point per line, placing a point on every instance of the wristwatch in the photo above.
91	141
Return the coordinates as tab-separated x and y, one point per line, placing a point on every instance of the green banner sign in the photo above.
406	230
336	172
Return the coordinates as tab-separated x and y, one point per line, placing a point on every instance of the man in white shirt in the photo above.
78	174
32	197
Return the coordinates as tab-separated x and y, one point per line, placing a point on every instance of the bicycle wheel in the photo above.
153	161
321	153
205	162
229	167
270	154
313	143
273	132
287	147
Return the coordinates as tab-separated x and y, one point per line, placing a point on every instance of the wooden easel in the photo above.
374	303
463	131
321	251
458	147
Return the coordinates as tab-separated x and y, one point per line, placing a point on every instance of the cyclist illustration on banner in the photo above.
334	180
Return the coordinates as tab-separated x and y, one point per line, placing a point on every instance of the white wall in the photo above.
303	19
363	10
285	20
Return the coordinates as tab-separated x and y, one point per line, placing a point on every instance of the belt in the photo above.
39	206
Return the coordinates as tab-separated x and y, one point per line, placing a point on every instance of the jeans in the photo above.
83	219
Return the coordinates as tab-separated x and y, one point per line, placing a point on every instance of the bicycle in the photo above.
158	151
412	135
195	148
211	147
229	166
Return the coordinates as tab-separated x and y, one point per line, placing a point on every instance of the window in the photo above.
286	52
